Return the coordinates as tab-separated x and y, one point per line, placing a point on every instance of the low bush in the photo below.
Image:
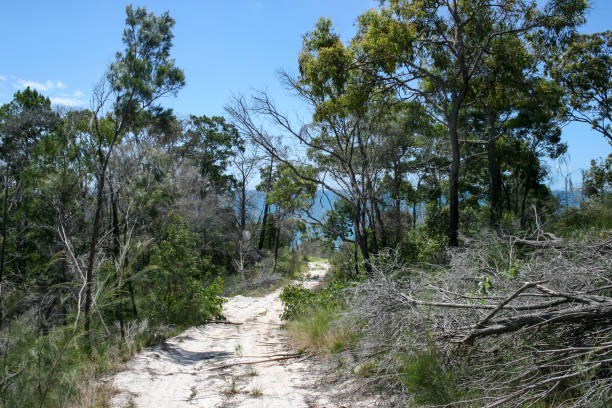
426	378
299	301
418	245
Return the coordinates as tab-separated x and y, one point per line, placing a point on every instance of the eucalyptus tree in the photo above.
23	123
585	71
433	49
135	81
212	142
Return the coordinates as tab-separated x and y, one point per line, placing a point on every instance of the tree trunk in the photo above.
3	246
396	192
494	173
453	231
278	228
523	205
379	222
242	206
116	254
95	233
361	239
264	221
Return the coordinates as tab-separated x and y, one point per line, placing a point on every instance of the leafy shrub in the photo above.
420	246
290	263
343	261
299	301
425	378
316	330
595	214
182	287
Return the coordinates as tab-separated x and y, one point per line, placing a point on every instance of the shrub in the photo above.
299	301
425	378
183	289
420	246
316	330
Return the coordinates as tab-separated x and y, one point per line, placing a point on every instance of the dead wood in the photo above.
258	361
512	326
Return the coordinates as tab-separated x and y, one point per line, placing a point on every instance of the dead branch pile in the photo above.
514	325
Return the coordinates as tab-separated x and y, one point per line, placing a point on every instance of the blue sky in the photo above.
225	48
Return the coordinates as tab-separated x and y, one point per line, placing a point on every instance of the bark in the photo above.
116	255
95	234
278	228
361	239
379	221
453	232
494	172
577	314
524	205
397	201
242	205
3	247
264	221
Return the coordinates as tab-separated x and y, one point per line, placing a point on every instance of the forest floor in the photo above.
250	364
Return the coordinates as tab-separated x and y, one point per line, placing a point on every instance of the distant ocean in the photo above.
325	202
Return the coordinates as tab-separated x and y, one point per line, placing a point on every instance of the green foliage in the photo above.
584	70
210	142
598	179
144	72
317	330
593	215
53	369
420	246
343	262
424	376
290	192
299	301
290	263
183	287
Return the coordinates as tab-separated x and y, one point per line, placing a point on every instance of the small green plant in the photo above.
299	301
421	245
256	392
424	376
316	330
233	388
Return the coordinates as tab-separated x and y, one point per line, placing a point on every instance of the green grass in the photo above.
318	331
424	376
56	370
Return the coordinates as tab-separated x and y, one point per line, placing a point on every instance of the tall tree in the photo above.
433	49
140	75
23	122
585	71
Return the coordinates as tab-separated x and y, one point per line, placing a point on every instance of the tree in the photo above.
183	286
585	71
140	75
433	49
23	123
211	143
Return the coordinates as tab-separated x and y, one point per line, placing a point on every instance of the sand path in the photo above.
186	371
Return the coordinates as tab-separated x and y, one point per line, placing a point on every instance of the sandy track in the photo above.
184	371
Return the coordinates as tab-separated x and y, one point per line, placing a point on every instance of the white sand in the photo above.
180	372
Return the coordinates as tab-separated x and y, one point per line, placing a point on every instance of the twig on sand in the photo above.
221	322
287	357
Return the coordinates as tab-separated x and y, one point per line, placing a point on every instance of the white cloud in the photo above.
22	83
2	78
49	85
77	93
71	102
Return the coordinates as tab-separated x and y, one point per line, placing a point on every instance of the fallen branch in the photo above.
220	322
577	314
258	361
